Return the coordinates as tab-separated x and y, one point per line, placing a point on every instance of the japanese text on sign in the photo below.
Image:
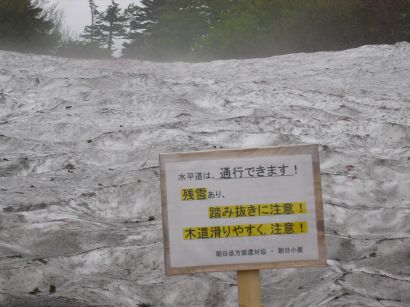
257	210
240	172
246	230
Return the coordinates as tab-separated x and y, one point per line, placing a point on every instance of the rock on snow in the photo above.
79	172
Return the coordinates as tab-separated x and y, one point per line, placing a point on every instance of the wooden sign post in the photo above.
249	291
242	210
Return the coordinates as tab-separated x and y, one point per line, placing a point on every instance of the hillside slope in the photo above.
79	179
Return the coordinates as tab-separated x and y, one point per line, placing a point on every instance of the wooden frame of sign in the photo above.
294	170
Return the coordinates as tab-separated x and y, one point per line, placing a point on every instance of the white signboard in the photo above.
242	209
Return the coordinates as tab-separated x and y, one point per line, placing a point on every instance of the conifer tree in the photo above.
134	23
26	26
112	24
142	17
135	29
93	32
151	11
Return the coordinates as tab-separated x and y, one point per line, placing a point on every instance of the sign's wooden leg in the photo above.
249	292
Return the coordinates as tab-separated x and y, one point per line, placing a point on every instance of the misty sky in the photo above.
77	12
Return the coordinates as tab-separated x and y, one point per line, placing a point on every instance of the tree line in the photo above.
25	25
194	30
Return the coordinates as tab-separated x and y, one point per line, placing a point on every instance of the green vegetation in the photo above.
218	29
167	30
26	26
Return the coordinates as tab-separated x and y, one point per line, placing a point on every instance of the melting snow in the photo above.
79	173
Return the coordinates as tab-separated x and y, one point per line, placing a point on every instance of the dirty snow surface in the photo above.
80	211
